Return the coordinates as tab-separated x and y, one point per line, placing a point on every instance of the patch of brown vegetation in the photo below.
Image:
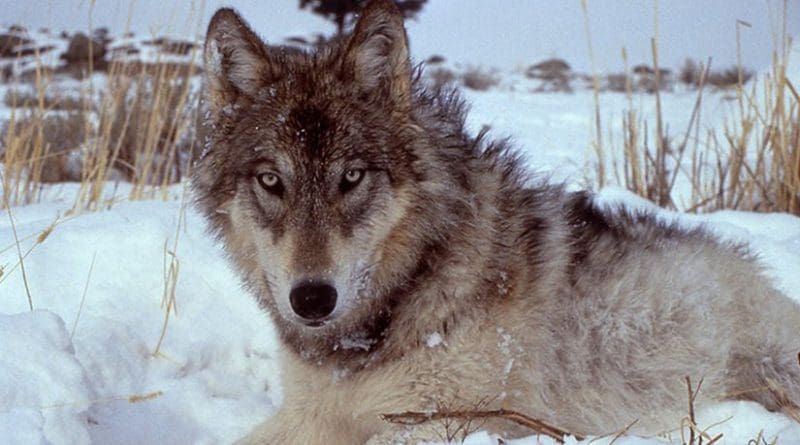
479	79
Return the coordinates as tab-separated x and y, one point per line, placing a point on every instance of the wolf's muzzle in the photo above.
313	301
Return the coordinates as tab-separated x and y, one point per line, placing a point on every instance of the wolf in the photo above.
410	266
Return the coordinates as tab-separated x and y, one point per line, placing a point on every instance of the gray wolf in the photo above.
409	265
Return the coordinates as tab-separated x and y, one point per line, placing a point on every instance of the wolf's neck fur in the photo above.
492	249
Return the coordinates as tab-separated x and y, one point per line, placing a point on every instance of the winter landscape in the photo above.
121	322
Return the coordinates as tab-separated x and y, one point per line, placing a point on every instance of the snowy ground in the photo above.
80	368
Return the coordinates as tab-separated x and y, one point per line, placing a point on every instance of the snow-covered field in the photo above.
80	367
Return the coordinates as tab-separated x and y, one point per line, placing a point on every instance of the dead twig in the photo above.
693	428
417	418
623	431
692	395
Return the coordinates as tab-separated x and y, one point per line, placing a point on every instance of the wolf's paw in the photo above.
408	435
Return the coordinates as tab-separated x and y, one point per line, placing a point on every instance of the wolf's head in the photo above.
320	175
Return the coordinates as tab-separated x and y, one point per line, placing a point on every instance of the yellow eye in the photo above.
353	175
269	180
271	183
351	179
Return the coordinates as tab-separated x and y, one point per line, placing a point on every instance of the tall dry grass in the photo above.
758	148
145	132
140	128
751	163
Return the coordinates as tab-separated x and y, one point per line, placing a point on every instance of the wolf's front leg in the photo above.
273	430
282	428
412	434
294	425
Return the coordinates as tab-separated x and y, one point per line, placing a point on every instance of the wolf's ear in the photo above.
377	54
236	60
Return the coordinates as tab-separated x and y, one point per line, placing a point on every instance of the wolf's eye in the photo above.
351	179
271	183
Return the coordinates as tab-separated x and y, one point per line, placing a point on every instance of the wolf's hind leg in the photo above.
765	364
772	379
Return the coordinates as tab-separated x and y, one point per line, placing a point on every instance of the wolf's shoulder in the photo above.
590	219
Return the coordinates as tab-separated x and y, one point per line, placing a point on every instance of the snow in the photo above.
56	393
434	340
215	368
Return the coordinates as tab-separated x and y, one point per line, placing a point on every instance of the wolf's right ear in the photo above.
236	59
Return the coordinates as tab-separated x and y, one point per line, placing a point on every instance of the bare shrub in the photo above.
689	73
435	59
441	76
10	42
729	77
85	54
555	76
618	83
548	69
646	79
479	79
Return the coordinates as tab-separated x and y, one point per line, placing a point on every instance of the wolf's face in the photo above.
316	211
310	170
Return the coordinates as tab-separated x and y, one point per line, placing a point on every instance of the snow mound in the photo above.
44	390
214	377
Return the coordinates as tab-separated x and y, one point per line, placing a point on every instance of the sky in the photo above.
503	33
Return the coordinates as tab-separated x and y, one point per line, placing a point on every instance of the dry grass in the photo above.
597	143
145	132
458	423
62	133
23	98
21	259
752	163
40	238
169	302
465	417
83	297
758	151
140	128
696	435
651	169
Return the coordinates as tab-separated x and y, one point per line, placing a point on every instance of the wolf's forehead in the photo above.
311	129
315	130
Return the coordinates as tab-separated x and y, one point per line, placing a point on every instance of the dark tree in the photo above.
342	11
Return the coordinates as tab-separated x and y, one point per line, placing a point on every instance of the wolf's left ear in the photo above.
377	54
236	60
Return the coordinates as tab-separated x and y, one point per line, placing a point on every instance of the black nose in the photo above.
313	300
